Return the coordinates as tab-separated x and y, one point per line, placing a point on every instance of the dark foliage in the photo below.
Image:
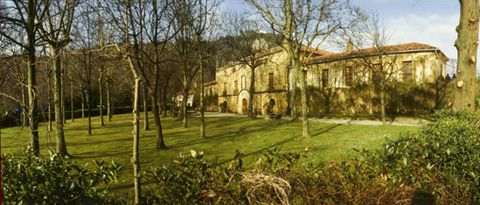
54	180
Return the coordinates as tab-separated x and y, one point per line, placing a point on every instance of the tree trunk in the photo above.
466	44
303	93
72	109
293	91
82	95
100	97
32	100
57	97
62	96
184	107
164	94
252	92
25	110
49	99
87	95
109	105
382	103
158	124
202	103
136	138
146	126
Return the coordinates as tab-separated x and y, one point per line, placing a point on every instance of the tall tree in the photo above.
248	48
123	16
146	125
20	18
301	25
129	17
190	22
467	45
379	65
55	31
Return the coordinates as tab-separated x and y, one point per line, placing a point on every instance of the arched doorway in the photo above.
271	105
244	106
223	106
243	102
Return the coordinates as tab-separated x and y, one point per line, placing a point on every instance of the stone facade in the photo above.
333	74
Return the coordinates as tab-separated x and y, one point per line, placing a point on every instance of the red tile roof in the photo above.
401	48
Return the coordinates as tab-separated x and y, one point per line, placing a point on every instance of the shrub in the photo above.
193	180
54	180
443	153
438	165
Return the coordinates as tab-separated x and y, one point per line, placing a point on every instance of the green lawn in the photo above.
224	136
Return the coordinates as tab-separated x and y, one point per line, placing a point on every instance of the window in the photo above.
407	71
224	89
270	82
377	73
325	78
235	89
348	74
244	82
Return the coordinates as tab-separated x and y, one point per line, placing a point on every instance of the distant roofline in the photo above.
410	48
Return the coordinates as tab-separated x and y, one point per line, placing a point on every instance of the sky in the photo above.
424	21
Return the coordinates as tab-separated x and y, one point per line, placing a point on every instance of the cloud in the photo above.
432	29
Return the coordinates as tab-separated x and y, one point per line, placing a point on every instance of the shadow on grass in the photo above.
96	154
328	129
243	131
257	152
93	142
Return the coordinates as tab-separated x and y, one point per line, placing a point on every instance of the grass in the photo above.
224	136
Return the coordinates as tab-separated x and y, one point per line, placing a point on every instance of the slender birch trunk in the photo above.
303	92
72	109
61	147
293	91
202	98
82	95
109	105
32	102
146	125
100	97
136	141
62	96
184	107
49	91
87	94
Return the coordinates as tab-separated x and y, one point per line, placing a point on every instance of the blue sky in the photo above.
424	21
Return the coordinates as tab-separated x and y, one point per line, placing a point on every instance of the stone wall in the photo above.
340	95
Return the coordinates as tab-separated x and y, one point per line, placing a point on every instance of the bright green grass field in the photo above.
224	136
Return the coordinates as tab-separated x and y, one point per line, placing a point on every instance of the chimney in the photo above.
349	45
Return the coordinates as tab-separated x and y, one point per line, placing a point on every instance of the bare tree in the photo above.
249	48
20	18
55	31
130	18
467	45
190	21
125	22
378	64
301	24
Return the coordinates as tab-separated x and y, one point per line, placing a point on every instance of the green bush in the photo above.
443	153
54	180
193	180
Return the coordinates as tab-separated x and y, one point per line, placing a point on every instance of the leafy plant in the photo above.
29	179
193	180
444	152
